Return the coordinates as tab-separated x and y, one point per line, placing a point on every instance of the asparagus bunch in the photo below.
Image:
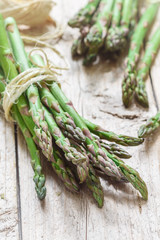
76	143
25	122
106	28
129	82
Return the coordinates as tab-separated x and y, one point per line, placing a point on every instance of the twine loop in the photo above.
17	86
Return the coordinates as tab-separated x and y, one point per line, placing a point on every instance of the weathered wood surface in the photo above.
96	94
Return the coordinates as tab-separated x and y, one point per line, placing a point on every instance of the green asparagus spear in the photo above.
83	17
151	50
151	125
39	178
132	176
63	172
116	17
115	149
112	137
112	148
133	19
95	38
2	86
62	118
10	72
78	47
129	82
70	153
113	37
41	128
118	34
93	183
92	180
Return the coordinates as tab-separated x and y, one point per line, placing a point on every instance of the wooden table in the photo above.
96	93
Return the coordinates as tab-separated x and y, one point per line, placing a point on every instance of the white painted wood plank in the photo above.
121	216
96	93
62	214
124	215
8	192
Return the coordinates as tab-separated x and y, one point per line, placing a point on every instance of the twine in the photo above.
20	83
32	13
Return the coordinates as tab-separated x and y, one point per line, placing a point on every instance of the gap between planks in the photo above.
18	185
154	92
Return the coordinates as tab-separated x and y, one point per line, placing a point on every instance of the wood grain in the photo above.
8	185
96	94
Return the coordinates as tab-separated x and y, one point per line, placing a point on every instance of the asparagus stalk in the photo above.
128	84
112	148
62	118
112	137
134	16
63	172
151	50
2	86
151	125
118	34
39	178
132	176
85	14
41	127
115	149
92	180
78	47
71	154
95	38
113	37
93	183
6	62
116	17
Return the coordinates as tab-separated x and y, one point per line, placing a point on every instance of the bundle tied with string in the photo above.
20	83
